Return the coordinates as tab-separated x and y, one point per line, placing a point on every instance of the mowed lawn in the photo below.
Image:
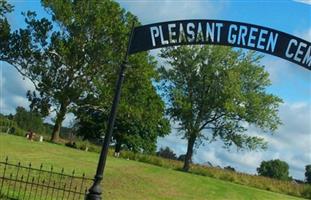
126	179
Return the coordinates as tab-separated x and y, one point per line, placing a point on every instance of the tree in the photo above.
274	169
229	168
182	157
140	119
215	92
62	55
308	174
89	123
29	120
167	153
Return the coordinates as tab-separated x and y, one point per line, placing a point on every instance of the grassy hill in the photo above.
126	179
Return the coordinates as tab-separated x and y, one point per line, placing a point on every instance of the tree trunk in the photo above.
189	153
58	123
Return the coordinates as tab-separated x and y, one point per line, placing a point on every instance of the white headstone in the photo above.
41	139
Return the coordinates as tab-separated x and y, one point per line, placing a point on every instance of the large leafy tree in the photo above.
61	55
215	92
277	169
140	118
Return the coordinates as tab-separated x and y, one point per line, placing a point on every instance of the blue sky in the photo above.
292	83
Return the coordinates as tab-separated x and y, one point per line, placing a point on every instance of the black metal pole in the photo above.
95	191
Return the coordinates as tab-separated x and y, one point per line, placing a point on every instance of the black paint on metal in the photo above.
142	39
96	190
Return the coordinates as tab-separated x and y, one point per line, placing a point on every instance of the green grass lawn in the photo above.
126	179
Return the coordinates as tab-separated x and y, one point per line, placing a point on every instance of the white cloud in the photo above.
304	33
304	1
13	89
68	119
166	10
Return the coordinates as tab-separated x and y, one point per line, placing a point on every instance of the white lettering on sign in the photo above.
220	32
190	31
242	34
219	26
262	39
210	31
172	33
238	35
272	39
231	35
200	37
182	34
252	37
307	57
163	41
289	54
299	52
154	33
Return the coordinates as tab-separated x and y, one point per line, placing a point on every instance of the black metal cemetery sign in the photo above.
188	32
219	32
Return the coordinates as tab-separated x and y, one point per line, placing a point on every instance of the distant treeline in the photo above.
23	121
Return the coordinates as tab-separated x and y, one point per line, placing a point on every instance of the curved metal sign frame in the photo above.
188	32
219	32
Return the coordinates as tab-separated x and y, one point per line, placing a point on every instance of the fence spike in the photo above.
31	186
64	191
20	186
16	178
52	194
41	193
75	192
8	191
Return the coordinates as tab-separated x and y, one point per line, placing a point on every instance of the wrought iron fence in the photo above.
18	182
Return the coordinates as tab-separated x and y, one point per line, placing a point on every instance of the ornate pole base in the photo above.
95	192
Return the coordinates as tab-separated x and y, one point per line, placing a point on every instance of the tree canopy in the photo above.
61	55
277	169
5	8
167	153
29	120
215	92
140	118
